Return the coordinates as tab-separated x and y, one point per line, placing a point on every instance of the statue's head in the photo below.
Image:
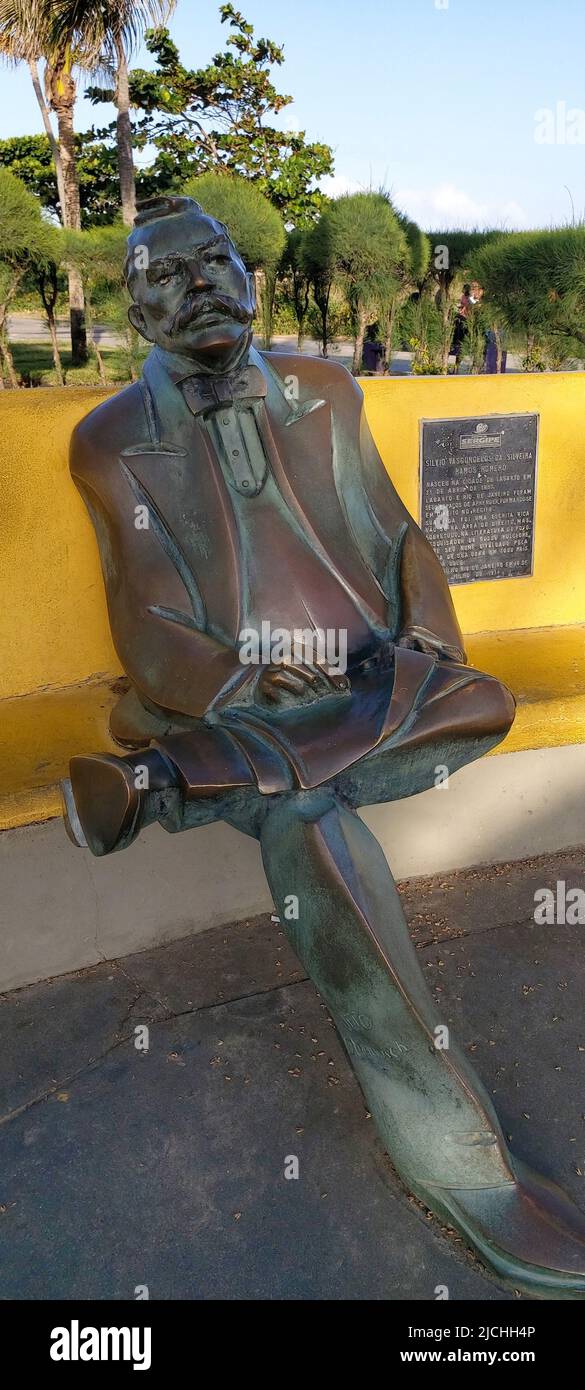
191	292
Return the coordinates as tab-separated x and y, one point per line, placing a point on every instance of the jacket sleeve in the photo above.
169	660
427	615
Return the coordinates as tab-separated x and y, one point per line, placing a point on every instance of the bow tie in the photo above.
209	392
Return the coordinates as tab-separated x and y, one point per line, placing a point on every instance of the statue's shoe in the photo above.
101	803
528	1231
107	800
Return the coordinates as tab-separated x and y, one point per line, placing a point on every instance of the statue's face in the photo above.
192	294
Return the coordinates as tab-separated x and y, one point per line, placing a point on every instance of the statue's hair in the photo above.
153	210
171	205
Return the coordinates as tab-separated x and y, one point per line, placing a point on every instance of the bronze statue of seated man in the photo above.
236	493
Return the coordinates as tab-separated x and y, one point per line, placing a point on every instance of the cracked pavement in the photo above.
165	1167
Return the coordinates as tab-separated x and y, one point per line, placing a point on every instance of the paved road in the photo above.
32	328
120	1168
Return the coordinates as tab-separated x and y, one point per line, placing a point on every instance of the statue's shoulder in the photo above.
318	373
107	429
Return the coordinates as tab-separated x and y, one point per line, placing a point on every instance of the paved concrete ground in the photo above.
121	1168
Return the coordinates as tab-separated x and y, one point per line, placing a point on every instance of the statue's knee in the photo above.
300	807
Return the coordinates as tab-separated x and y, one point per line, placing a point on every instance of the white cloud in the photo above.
513	214
335	185
448	206
444	205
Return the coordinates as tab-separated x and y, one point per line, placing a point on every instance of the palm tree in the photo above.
103	34
27	34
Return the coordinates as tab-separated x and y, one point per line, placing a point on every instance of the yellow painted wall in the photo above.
53	622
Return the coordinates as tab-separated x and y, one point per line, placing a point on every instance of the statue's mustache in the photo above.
195	305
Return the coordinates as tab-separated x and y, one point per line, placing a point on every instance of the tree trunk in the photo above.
260	283
7	359
389	343
100	362
55	151
268	308
443	305
124	139
322	292
52	322
324	309
131	362
95	349
79	351
62	98
358	349
447	339
301	303
445	354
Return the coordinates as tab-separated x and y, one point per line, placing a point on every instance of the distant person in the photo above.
373	353
460	329
490	360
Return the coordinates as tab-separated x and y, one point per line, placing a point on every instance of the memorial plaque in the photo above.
478	489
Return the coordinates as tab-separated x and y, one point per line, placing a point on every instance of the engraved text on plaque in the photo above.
478	485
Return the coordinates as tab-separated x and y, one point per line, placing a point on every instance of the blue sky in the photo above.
435	99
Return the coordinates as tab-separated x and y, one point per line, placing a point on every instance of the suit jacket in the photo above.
174	589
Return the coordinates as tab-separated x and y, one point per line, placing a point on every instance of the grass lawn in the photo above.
34	366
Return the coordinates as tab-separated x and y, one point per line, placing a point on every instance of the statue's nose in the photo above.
199	280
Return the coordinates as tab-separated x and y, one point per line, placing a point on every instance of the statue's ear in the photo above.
138	322
252	290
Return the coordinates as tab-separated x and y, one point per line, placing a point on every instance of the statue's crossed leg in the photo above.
433	1115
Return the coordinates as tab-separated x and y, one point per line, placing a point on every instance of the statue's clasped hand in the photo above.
303	681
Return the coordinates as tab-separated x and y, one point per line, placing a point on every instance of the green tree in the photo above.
410	274
30	158
449	267
220	116
255	226
370	253
534	283
294	270
27	34
103	34
318	260
99	255
26	244
46	277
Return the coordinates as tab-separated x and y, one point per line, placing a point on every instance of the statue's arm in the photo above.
168	659
427	615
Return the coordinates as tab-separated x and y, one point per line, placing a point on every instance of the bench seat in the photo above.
544	667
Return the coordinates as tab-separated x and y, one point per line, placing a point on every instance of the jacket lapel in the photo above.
173	473
302	447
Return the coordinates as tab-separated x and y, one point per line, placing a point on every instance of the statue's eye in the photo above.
220	259
167	276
